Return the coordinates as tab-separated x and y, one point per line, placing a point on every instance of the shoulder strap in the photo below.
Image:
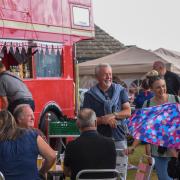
176	98
148	103
4	73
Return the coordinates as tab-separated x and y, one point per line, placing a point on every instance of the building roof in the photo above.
102	45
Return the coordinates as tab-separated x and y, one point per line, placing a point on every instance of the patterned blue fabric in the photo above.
159	125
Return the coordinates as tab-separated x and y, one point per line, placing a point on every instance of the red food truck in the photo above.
37	39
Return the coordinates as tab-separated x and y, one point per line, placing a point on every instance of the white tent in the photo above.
128	65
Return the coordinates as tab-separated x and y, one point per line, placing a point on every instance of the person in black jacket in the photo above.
172	79
91	150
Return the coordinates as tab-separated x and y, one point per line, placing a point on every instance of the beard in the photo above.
107	83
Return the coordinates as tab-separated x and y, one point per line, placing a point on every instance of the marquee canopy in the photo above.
128	61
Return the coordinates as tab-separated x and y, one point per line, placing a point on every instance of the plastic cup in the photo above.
53	167
62	161
39	161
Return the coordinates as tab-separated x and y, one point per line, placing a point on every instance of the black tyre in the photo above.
55	143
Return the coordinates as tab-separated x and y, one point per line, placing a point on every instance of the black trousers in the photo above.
13	105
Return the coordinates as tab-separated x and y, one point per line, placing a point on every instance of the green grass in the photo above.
134	159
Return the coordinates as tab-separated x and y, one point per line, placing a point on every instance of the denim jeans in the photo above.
161	164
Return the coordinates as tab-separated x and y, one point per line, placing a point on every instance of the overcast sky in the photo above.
149	24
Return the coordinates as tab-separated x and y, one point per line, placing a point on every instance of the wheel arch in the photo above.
50	107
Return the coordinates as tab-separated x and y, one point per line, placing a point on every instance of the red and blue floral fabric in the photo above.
159	125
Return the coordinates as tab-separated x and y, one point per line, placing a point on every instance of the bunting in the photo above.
21	46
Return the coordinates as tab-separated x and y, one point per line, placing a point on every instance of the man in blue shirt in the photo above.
111	105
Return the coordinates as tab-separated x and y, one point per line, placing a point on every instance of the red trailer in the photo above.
37	38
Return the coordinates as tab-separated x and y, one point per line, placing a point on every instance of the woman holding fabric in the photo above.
162	155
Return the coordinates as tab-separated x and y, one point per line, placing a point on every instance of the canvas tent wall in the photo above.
128	65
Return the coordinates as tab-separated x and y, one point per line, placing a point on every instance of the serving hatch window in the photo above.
48	64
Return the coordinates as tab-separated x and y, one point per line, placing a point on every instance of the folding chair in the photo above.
121	162
2	176
99	171
144	168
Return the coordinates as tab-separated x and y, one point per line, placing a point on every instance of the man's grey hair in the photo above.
18	111
86	118
102	65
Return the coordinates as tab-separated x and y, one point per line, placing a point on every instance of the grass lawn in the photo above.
134	159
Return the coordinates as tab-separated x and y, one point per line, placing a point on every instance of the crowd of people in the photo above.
110	103
101	121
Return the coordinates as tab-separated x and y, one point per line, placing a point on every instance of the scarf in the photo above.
109	105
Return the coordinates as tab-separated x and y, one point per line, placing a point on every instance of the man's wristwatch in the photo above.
115	114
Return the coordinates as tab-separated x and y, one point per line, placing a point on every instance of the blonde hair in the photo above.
152	73
8	127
